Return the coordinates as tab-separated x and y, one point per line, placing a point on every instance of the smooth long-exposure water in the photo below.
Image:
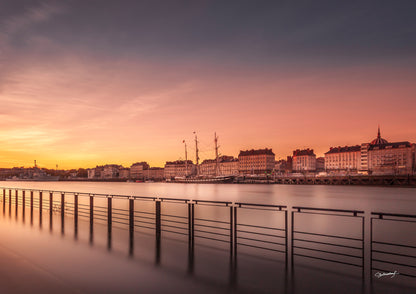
53	253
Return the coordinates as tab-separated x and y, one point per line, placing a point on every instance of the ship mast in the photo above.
217	166
196	151
186	160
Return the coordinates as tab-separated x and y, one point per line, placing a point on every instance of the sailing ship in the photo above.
203	179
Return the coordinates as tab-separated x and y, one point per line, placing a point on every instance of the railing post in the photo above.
292	226
286	245
131	226
40	202
109	221
190	237
23	200
40	208
371	250
158	230
17	201
50	211
10	200
31	207
91	219
76	216
62	213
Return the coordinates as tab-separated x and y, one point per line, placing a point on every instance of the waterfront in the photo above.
92	257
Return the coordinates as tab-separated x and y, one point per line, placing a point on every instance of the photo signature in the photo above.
391	274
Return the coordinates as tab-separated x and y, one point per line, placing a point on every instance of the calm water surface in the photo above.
61	256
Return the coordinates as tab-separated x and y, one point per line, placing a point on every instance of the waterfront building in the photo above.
383	157
110	171
179	168
320	164
137	170
124	173
258	161
280	166
341	159
303	160
227	165
96	173
155	173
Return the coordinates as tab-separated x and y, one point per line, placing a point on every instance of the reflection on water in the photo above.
106	244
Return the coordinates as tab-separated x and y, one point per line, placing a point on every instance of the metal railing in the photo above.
231	228
336	244
391	252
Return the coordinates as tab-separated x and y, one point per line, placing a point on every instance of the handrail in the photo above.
381	214
300	208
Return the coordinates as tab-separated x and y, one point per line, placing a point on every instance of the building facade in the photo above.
137	170
347	158
227	165
382	157
303	160
155	174
258	161
179	168
110	171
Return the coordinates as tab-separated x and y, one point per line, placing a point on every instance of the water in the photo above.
58	255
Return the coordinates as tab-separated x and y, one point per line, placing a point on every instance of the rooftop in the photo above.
340	149
256	152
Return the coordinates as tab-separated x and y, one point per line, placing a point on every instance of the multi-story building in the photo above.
179	168
137	170
96	173
227	165
256	161
110	171
381	157
320	164
303	160
155	173
124	173
347	158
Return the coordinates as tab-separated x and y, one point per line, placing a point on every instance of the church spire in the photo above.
378	133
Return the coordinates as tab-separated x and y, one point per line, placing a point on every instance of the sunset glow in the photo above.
78	93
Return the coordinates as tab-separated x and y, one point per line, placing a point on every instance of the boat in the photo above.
203	179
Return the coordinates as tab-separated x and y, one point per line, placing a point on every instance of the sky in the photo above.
86	83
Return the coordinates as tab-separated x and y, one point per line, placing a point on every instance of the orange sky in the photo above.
69	102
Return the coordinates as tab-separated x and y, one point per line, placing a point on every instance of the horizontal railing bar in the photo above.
142	222
207	226
394	214
331	236
262	241
330	244
330	252
116	217
300	208
174	199
210	220
169	226
120	209
259	247
120	223
144	212
241	204
261	234
212	201
144	217
177	216
260	227
212	233
332	214
394	244
330	260
395	263
203	237
139	226
179	233
393	253
117	213
172	221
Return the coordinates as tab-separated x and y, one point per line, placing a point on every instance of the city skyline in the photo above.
83	84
